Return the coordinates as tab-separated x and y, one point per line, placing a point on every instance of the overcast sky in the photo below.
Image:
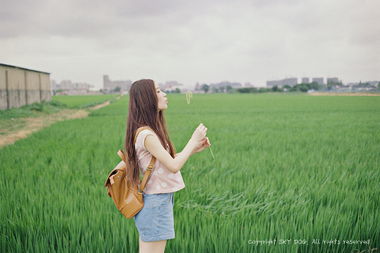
193	41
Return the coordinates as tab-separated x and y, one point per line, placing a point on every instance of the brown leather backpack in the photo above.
128	200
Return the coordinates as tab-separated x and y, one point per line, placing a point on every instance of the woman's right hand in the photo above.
199	136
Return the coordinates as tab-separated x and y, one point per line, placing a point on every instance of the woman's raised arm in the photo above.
154	146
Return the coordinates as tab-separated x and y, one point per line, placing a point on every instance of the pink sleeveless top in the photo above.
162	179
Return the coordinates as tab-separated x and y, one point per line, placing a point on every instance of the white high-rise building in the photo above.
109	85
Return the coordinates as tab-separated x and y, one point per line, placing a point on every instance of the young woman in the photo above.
155	222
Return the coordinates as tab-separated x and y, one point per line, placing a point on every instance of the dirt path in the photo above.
34	124
343	94
96	107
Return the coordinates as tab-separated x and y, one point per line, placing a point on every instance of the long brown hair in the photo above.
143	111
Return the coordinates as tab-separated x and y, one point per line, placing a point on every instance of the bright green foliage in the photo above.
292	167
84	101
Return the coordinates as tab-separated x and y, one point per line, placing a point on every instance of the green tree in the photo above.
117	89
303	87
205	88
247	90
315	86
262	90
214	90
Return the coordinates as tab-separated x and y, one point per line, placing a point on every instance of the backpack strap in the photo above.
149	170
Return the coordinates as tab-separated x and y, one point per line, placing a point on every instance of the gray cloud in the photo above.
193	41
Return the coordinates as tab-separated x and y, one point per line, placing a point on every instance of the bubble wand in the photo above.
212	154
189	95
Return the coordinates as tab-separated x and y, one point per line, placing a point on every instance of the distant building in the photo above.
221	87
197	87
305	80
364	83
224	86
332	80
248	85
318	80
373	83
109	86
280	83
21	86
170	86
67	87
273	83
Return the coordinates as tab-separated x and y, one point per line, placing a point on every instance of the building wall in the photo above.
16	87
45	87
280	83
332	80
3	90
19	86
109	85
318	80
33	87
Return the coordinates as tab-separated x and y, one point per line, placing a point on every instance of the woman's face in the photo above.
162	100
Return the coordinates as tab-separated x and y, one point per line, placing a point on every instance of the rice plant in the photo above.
292	173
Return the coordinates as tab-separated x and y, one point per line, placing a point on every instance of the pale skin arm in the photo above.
154	146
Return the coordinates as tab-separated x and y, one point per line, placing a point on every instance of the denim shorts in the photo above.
155	221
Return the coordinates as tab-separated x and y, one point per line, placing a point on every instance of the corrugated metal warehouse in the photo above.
21	86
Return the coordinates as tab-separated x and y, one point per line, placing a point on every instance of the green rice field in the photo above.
14	119
292	173
83	101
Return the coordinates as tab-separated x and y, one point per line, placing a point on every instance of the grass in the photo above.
292	167
12	120
32	110
85	100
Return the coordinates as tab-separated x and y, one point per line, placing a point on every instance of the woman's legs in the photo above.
152	247
155	246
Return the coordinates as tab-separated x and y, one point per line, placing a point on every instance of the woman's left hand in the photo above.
205	144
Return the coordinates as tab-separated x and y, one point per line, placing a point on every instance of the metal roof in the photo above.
11	66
